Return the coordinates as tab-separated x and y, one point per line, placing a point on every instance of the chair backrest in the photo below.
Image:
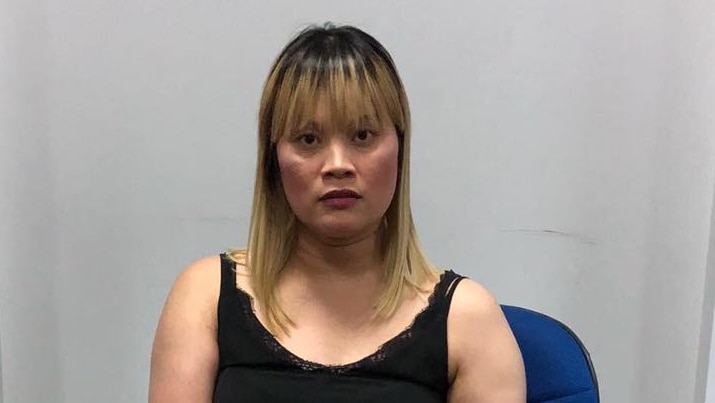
558	366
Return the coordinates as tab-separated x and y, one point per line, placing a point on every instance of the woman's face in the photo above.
339	182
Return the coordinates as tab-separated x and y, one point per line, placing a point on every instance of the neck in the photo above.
355	258
342	281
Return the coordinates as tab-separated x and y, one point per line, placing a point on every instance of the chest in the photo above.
402	359
322	337
334	360
255	385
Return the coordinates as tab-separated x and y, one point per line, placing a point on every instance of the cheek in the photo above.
293	178
383	172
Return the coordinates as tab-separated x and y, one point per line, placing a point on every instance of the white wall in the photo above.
563	155
705	383
710	396
28	314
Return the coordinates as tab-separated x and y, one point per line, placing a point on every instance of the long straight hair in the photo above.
357	77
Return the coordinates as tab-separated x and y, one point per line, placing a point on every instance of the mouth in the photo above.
340	194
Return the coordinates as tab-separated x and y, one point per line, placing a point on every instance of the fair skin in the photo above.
332	280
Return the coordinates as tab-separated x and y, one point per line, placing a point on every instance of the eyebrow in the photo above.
366	119
363	120
309	125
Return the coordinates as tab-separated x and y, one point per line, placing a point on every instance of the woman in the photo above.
333	300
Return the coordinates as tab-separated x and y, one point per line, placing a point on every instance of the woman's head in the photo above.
342	77
338	178
333	115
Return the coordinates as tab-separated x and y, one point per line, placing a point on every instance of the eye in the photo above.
307	139
363	135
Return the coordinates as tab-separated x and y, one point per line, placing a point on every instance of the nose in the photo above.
338	161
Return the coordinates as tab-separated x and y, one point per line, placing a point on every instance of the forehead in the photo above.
347	111
341	95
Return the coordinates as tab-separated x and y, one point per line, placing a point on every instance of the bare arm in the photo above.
488	363
185	354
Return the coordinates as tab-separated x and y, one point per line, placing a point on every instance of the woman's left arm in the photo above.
486	362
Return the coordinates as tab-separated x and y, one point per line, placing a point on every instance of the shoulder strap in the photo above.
236	339
422	355
228	275
450	280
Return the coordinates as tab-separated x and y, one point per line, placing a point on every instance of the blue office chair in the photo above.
558	366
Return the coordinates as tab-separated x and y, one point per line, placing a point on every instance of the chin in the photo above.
340	231
343	232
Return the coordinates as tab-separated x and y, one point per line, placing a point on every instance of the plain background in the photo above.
563	155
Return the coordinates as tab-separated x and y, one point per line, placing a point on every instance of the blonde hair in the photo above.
358	78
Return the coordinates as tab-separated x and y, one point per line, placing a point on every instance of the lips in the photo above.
340	194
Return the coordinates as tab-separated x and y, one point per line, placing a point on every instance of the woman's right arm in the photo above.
184	357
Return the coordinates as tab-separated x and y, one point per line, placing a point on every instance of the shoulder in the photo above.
184	352
204	275
473	310
484	358
196	288
202	269
471	301
201	276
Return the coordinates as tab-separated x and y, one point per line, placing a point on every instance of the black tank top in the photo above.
255	368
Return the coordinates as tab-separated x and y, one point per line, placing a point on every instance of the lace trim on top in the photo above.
379	355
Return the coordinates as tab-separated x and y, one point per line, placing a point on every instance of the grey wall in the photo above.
563	156
28	265
706	357
710	395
